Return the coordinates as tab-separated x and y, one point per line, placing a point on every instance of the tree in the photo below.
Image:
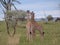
20	14
7	4
49	17
57	19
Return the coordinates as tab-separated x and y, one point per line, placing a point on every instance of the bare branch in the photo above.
14	6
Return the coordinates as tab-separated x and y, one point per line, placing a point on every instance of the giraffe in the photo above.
32	25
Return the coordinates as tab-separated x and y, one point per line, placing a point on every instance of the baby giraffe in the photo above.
32	25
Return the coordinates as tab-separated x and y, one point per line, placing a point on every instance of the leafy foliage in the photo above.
49	17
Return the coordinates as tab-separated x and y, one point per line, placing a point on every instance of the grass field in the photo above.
51	37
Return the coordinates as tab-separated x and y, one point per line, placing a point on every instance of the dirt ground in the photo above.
13	40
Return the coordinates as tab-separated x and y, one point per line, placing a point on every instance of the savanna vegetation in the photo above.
51	37
51	29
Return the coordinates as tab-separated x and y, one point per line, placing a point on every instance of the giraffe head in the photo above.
30	15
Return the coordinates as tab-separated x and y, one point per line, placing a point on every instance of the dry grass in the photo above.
13	40
51	37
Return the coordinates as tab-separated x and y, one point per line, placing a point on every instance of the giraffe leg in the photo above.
33	34
29	33
42	33
40	29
